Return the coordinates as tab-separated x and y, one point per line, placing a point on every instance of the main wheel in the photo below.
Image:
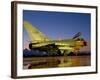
58	52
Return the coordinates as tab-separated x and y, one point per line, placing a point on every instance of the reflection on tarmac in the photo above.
64	62
58	61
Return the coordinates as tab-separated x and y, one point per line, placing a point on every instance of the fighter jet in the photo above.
38	41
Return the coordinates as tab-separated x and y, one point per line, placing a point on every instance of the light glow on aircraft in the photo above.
60	47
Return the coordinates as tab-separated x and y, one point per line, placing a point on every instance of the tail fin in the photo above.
34	34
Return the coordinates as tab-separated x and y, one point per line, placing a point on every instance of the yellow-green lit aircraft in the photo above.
60	47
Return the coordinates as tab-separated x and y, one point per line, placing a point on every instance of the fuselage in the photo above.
69	45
